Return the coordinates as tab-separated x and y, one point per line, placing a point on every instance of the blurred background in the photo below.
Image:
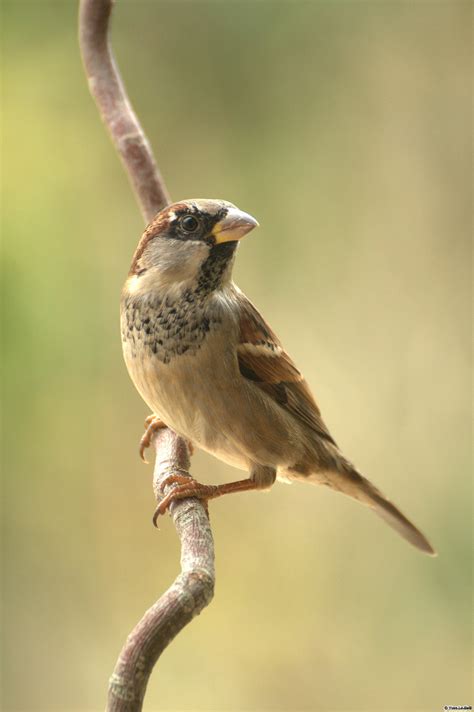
344	128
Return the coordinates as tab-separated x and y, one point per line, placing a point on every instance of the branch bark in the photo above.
193	588
187	596
106	86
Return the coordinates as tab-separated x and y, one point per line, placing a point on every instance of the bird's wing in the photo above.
263	361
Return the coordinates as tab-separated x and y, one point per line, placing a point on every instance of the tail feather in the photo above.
387	511
395	519
352	483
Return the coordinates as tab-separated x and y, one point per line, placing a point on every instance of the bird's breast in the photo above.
165	328
175	351
182	359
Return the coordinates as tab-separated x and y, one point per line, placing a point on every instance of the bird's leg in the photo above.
152	425
261	478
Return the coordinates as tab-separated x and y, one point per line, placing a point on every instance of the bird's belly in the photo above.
188	399
215	407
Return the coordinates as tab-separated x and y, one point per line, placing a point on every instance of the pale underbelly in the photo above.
218	411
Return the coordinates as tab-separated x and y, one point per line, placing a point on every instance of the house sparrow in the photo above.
209	366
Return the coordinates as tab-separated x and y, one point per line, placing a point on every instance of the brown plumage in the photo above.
209	366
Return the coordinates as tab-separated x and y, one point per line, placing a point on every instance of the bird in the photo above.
210	368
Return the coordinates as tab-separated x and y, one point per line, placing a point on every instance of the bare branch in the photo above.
187	596
193	589
107	88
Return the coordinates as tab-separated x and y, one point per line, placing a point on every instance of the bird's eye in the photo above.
189	223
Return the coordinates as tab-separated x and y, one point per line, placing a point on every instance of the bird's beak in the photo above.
234	226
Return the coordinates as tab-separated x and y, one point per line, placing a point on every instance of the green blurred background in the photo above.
344	128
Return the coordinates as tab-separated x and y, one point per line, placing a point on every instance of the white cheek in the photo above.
172	264
182	260
196	254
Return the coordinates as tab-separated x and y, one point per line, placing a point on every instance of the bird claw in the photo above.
185	487
152	425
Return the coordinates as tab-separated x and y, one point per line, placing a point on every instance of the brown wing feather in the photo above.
263	361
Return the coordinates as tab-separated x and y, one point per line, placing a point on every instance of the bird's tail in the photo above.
352	483
395	519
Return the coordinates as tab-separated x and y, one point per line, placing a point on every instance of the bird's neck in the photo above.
216	270
213	274
174	320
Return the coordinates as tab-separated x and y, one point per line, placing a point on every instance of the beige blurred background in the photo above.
344	128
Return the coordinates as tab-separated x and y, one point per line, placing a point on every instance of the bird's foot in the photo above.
152	425
189	487
185	486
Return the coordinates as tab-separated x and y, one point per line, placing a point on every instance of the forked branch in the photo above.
193	589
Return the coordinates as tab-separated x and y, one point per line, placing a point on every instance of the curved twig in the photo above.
107	88
187	596
193	589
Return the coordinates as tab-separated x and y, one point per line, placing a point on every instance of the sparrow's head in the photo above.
187	238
